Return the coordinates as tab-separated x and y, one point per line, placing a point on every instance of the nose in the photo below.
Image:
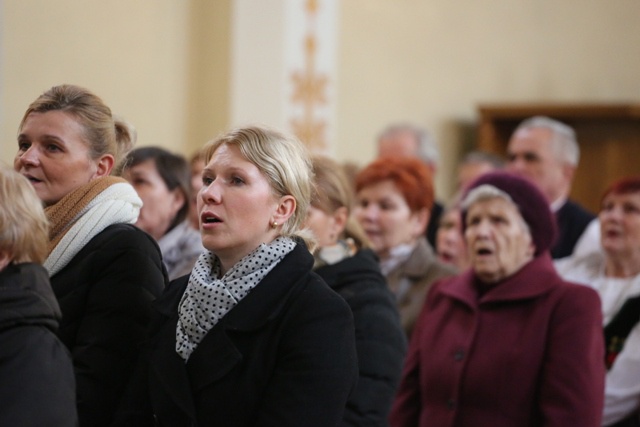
30	157
516	164
211	193
482	228
365	213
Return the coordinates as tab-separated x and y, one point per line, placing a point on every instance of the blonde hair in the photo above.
104	133
24	229
332	191
283	160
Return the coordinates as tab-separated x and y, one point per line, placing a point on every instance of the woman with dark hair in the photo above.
507	343
350	268
394	196
105	272
614	272
163	182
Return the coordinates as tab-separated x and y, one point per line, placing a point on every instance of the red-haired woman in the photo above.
615	273
393	203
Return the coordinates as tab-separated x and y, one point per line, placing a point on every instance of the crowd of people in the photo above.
257	284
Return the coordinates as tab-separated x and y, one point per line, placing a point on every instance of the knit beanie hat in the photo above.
532	204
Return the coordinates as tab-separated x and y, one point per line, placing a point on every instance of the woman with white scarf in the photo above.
252	337
104	271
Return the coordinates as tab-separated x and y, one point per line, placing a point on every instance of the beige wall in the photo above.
164	64
432	62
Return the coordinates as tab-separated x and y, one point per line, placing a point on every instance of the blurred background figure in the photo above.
344	261
163	182
452	248
614	272
37	387
407	140
474	164
393	205
104	271
196	165
546	151
507	343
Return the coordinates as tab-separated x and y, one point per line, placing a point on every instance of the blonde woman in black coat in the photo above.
252	337
104	271
350	268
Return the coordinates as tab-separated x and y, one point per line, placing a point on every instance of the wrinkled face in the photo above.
530	153
54	156
323	226
160	205
620	224
236	206
499	243
450	241
386	218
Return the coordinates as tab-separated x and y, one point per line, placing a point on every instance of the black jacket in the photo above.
37	387
572	219
105	294
380	340
284	356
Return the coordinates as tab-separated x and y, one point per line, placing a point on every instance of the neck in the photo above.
622	267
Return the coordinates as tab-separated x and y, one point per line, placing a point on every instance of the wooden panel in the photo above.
608	134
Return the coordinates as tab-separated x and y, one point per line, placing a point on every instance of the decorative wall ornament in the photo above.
312	86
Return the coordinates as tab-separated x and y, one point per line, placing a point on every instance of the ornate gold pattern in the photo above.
310	91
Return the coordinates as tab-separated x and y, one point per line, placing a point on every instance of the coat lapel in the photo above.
170	370
217	354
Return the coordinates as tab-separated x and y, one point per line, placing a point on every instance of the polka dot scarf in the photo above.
208	299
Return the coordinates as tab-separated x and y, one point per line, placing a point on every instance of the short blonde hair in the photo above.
24	229
283	160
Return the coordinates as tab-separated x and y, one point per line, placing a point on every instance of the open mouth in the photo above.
32	179
484	251
210	219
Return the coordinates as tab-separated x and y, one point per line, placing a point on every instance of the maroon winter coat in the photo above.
529	352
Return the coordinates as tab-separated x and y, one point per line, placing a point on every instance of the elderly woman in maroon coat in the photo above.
507	343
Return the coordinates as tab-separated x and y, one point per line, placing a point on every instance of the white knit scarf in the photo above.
118	203
208	298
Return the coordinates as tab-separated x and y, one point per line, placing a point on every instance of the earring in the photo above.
274	225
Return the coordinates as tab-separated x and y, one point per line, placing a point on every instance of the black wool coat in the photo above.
37	387
380	339
284	356
105	294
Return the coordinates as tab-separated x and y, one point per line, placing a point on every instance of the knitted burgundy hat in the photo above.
533	206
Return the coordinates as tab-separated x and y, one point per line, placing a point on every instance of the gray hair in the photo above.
564	139
427	148
484	192
478	156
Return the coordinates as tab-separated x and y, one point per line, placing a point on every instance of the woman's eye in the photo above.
206	180
236	180
53	147
23	146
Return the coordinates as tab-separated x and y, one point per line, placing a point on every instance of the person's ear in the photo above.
178	200
285	209
5	259
568	171
420	220
104	165
340	218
